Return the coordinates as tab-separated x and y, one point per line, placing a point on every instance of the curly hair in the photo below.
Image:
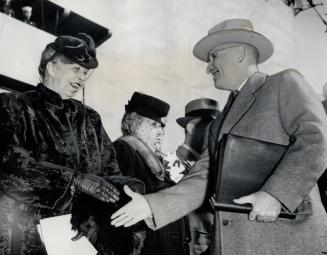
131	121
49	54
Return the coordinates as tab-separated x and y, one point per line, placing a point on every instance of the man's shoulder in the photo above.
287	74
288	81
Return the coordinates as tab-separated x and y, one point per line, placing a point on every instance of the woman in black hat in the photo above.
51	146
139	155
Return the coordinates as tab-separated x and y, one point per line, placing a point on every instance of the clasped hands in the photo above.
96	187
134	211
265	208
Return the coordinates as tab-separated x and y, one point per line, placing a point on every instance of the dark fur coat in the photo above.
43	141
92	218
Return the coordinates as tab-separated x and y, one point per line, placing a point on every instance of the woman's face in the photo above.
67	78
151	133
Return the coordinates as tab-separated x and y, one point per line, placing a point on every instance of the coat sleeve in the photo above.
22	177
173	203
109	164
305	122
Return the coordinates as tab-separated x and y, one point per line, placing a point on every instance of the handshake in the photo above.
96	187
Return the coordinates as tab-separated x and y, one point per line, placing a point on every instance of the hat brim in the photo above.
92	64
184	120
260	42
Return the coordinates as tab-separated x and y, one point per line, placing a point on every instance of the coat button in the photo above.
225	222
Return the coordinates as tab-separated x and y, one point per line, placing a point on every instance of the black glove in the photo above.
97	187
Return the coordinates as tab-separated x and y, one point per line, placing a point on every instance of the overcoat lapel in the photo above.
242	103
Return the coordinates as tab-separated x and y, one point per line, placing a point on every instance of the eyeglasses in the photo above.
213	54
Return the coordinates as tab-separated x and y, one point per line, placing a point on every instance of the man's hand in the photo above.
97	187
265	207
136	210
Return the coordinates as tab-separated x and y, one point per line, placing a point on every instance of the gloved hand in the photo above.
97	187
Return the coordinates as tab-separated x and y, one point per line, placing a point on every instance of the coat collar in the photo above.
243	102
49	96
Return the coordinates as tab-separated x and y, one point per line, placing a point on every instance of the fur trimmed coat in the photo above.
133	162
43	141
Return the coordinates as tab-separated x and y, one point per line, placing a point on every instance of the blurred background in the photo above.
147	46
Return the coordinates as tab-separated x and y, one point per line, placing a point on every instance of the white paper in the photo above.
57	234
40	232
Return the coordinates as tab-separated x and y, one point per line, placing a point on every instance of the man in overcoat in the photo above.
280	109
199	113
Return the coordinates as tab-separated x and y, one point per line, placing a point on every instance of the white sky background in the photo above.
151	50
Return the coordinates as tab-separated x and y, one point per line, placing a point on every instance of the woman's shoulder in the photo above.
18	98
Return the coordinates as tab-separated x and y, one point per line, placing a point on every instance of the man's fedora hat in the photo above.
199	108
148	106
233	31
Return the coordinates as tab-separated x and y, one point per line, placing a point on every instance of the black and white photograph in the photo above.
163	127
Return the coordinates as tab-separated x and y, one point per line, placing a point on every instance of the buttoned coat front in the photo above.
281	109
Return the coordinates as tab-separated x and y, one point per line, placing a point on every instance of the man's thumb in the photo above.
128	191
244	200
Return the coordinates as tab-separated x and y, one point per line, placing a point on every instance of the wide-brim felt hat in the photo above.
199	108
148	106
79	49
233	31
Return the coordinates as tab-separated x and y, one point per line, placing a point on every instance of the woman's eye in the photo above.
155	124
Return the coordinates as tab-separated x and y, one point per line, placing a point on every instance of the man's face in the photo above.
68	78
224	65
151	133
27	13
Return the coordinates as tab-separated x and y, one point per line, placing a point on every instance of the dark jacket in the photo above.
168	240
43	141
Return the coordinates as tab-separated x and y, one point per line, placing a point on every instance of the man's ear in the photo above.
50	68
240	51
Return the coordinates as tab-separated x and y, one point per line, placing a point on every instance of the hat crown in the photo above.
201	104
79	48
232	24
199	108
233	31
148	106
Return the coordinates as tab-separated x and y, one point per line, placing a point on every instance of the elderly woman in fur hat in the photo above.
51	146
139	155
